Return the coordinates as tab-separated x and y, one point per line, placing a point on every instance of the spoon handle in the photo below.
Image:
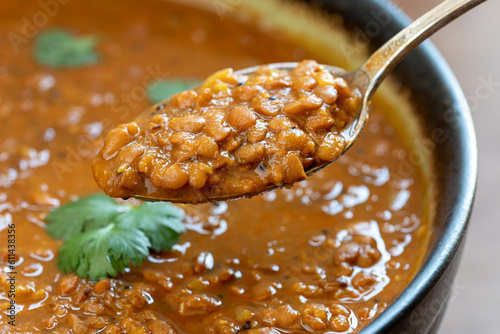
391	53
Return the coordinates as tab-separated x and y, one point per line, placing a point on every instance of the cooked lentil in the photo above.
234	135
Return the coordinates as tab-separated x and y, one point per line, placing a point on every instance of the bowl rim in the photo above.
441	254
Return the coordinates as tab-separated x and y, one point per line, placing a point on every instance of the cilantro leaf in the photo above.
103	252
163	89
103	237
87	213
59	48
160	222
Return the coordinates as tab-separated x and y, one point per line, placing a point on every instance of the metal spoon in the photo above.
368	77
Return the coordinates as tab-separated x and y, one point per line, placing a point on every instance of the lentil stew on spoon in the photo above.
326	255
235	135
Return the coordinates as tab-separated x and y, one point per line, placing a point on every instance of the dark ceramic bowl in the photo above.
442	104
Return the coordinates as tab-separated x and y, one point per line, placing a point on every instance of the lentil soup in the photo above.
327	255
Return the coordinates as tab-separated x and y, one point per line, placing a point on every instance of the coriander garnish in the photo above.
59	48
162	89
103	237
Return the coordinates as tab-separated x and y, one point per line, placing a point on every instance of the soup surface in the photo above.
327	255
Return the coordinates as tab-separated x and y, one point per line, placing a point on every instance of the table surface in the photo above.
471	45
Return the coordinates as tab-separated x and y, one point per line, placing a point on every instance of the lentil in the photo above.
223	124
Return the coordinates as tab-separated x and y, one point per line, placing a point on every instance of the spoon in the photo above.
365	79
369	75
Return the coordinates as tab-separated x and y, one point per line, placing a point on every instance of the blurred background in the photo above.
471	45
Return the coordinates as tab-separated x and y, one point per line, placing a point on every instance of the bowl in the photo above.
446	121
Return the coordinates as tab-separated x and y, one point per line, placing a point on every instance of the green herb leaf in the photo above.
161	223
59	48
87	213
163	89
103	252
103	237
